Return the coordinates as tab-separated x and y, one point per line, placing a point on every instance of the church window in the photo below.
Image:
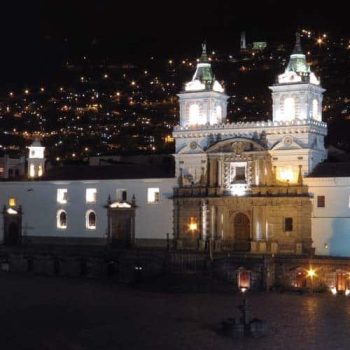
91	195
238	172
10	172
218	112
62	195
194	114
289	108
288	224
153	195
90	220
61	219
12	202
40	170
32	170
216	116
122	195
315	109
321	201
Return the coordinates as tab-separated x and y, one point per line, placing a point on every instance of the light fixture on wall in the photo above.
193	225
243	279
286	175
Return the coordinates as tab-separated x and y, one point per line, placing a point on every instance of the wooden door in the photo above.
242	232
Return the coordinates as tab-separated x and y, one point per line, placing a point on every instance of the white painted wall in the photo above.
39	204
331	224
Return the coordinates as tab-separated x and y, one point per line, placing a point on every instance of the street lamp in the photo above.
243	280
311	273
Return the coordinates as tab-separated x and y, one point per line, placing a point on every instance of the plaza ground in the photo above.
38	313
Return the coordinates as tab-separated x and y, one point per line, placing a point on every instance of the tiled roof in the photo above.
116	171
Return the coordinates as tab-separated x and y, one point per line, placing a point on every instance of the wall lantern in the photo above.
243	280
193	225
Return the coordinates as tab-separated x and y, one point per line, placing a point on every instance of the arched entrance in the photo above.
13	235
121	224
241	229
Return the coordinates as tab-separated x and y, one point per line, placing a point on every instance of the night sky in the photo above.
37	36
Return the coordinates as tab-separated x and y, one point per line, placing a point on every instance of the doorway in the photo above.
241	229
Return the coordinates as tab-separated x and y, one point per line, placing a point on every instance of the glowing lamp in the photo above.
193	225
311	272
347	292
243	280
334	291
286	175
12	202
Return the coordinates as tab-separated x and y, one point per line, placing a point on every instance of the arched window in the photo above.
216	116
315	114
61	219
32	170
289	108
90	220
40	170
194	114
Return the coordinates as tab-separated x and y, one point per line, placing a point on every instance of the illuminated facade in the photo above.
36	160
240	185
260	187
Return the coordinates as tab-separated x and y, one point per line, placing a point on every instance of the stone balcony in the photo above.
254	191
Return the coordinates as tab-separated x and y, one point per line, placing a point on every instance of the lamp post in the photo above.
243	280
311	273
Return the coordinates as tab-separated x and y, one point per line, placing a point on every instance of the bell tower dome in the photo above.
203	101
297	116
297	95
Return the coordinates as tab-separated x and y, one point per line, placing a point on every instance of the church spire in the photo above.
297	48
204	56
297	61
204	78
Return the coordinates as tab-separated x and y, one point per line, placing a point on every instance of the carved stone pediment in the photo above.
192	148
236	146
287	142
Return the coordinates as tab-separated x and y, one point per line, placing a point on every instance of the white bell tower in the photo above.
298	93
36	160
203	101
297	115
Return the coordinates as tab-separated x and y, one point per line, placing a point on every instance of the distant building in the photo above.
259	45
12	167
243	41
36	160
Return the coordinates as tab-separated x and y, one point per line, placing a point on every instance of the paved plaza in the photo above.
72	314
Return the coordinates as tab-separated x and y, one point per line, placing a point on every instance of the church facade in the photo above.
260	187
241	185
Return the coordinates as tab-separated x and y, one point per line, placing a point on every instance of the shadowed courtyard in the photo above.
58	313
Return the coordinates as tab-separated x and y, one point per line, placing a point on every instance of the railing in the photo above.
247	125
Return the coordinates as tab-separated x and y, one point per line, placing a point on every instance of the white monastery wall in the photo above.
38	200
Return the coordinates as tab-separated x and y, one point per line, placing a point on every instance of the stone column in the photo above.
204	225
212	221
219	180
